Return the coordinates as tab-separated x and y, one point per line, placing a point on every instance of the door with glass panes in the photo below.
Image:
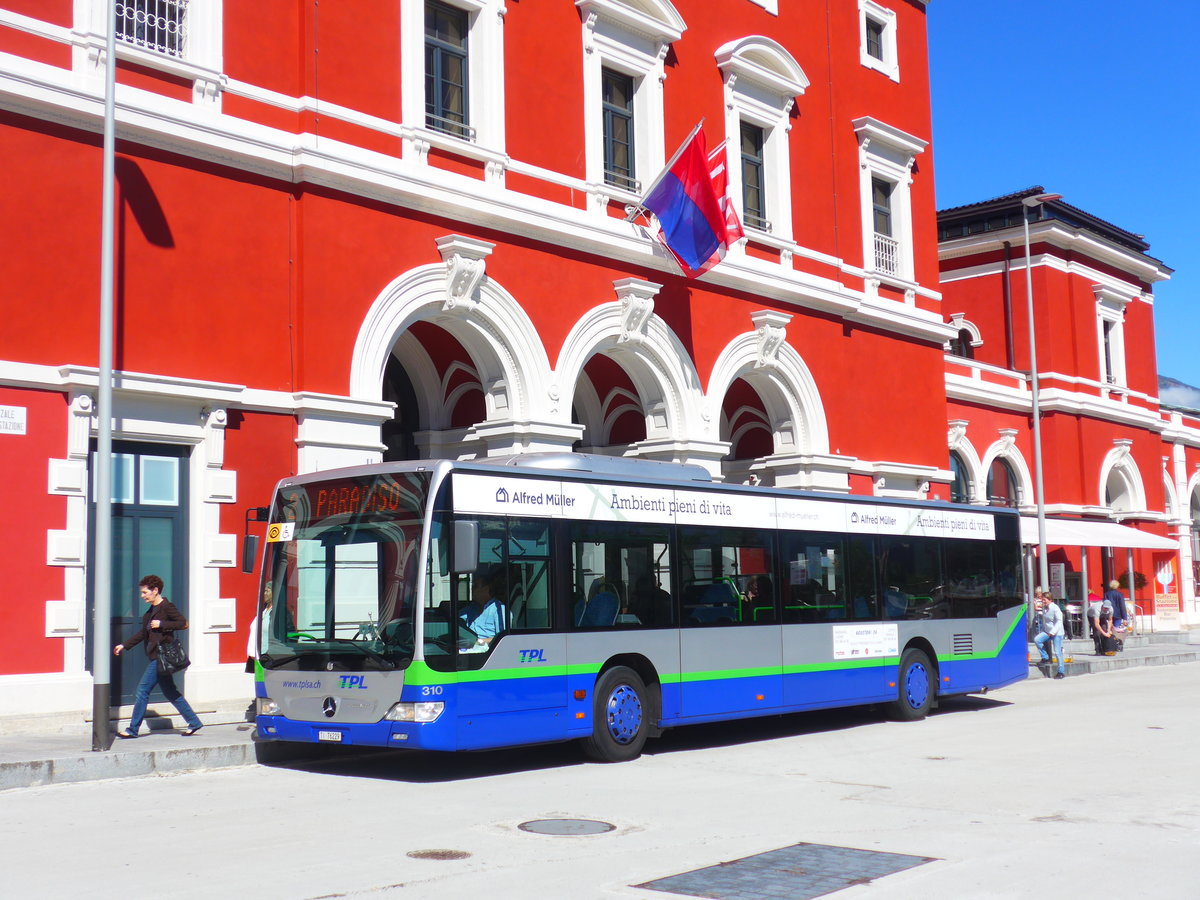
149	537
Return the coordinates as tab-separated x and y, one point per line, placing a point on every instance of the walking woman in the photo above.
159	625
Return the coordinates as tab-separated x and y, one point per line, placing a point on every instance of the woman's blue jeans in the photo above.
150	678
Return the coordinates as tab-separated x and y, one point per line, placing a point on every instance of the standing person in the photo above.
265	618
1117	600
1039	597
1052	631
159	624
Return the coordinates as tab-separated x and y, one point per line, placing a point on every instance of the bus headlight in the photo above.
267	706
423	711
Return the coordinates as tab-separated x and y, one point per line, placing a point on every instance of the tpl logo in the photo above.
528	656
352	681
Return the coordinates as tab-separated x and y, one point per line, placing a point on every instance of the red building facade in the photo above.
345	238
1112	455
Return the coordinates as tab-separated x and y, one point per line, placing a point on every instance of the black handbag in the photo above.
172	657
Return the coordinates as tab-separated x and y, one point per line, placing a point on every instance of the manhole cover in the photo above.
799	872
566	826
438	854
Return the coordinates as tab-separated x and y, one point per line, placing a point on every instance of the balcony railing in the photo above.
624	182
159	26
450	126
887	254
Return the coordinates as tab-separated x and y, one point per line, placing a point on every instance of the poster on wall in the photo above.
1058	580
1166	593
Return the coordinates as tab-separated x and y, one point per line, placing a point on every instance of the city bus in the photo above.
468	605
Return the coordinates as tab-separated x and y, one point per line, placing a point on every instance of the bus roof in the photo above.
610	468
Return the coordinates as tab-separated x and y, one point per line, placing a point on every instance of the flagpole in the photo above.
665	169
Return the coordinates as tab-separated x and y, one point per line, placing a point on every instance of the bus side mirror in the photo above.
250	541
466	547
249	552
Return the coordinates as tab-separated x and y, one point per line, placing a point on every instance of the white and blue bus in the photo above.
547	597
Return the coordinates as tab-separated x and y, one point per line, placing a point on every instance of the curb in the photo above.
95	766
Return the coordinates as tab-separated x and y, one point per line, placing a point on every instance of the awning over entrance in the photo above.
1082	533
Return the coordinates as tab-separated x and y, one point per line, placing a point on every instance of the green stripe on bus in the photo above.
1018	617
420	673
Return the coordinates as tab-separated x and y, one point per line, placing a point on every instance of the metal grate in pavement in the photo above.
798	872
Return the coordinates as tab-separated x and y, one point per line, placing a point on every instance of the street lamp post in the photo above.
1031	203
102	568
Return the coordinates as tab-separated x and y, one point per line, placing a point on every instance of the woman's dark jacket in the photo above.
172	620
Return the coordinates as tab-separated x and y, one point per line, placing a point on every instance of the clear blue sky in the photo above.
1098	101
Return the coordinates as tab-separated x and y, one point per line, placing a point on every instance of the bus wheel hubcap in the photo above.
624	714
916	686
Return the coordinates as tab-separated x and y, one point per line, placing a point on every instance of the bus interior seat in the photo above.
598	612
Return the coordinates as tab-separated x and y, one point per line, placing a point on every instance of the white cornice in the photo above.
191	390
1105	280
1058	234
1016	397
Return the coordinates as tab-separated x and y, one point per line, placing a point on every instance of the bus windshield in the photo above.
341	573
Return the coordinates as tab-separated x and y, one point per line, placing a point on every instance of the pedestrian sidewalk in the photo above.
1163	649
57	749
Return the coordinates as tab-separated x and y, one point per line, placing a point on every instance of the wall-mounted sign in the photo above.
12	420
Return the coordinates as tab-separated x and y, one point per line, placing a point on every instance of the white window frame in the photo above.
203	55
887	153
762	82
632	39
1110	313
485	75
881	15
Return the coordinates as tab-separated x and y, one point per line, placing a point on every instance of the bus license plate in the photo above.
329	736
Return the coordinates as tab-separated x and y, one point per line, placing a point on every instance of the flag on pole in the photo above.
689	212
718	171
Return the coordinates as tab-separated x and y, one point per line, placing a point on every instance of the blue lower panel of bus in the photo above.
438	735
512	711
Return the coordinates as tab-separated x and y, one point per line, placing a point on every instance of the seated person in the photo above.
649	602
758	599
484	615
1097	607
1107	643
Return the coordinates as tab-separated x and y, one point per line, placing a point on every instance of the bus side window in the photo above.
816	589
620	575
727	576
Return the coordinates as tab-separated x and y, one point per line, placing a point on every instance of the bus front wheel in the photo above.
916	685
619	723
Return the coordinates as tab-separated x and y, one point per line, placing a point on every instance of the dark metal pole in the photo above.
102	570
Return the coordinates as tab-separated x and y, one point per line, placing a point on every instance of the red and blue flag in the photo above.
689	212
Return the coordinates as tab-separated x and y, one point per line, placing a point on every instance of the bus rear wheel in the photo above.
916	684
619	723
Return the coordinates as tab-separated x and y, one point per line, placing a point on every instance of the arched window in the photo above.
961	345
960	486
1001	483
1119	492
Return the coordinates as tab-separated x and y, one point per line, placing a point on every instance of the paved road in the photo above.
1086	787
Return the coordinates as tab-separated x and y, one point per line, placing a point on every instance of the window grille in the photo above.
159	26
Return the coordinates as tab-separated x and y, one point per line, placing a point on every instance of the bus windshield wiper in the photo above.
357	645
